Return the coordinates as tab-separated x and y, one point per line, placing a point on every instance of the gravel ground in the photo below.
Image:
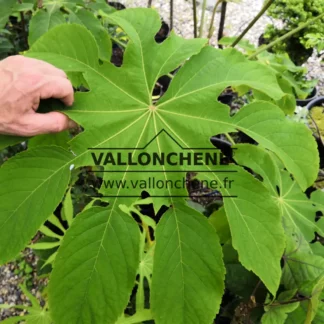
240	15
11	276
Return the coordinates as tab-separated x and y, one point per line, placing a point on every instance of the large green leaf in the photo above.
301	267
265	123
87	19
95	269
43	20
188	271
31	186
5	11
51	16
119	111
60	139
298	211
7	140
255	224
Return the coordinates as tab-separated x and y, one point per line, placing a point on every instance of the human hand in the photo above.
23	83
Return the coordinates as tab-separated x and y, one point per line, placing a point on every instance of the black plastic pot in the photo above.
315	102
305	102
223	145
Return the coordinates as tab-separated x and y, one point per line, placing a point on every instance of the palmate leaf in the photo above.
297	210
51	16
298	214
86	18
193	86
118	111
43	20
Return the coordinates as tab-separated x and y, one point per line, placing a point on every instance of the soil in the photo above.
14	274
116	5
117	55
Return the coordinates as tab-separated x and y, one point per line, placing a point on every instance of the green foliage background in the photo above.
293	13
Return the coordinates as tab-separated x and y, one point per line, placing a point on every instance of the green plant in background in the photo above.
293	13
317	113
315	41
291	78
116	264
30	19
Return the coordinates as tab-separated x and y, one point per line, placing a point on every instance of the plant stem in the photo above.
23	26
255	289
142	316
229	137
211	26
171	76
171	14
148	235
251	24
140	297
202	18
316	126
149	4
283	37
222	22
296	300
194	12
116	40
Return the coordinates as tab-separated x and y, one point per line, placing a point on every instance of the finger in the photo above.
26	63
52	122
57	87
49	69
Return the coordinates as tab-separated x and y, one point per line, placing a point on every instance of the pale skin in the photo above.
23	83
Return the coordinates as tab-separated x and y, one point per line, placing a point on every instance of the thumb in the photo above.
52	122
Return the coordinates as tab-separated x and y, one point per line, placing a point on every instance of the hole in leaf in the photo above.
163	33
161	87
116	5
117	55
278	190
